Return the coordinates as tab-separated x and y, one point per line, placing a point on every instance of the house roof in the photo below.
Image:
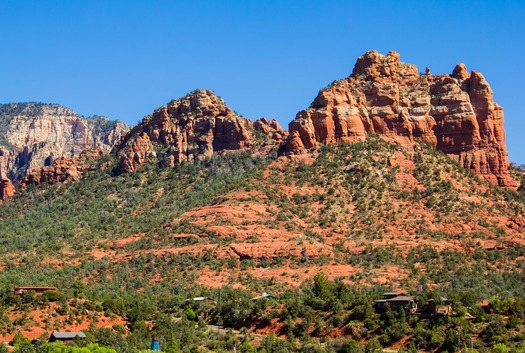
265	296
68	335
401	298
389	294
199	299
443	299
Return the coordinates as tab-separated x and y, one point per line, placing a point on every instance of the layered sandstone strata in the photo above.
189	129
33	135
454	113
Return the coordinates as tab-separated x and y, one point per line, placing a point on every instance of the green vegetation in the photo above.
101	123
306	315
394	219
60	348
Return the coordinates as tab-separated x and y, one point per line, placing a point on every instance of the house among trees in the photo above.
412	305
36	289
396	300
435	307
66	336
487	306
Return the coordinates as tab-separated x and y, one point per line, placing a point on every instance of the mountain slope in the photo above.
371	214
342	209
197	201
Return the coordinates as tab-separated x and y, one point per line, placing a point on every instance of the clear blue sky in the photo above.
267	58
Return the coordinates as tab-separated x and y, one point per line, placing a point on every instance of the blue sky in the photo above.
266	58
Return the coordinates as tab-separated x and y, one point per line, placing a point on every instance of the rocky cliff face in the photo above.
454	113
193	128
64	170
33	135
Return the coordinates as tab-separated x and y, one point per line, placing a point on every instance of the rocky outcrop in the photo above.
271	250
454	113
33	135
65	169
7	189
270	129
271	136
189	129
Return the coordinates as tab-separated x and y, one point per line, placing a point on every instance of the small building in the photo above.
199	300
433	307
66	336
36	289
395	301
487	306
444	310
264	296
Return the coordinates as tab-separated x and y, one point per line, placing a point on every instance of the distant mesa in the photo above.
33	135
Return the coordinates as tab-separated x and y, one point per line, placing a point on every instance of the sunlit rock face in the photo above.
193	128
454	113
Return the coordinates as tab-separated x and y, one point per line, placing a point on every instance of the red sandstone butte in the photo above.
188	129
454	113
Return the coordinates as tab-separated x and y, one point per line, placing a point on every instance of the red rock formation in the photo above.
272	135
271	129
189	129
271	250
63	170
454	113
7	188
